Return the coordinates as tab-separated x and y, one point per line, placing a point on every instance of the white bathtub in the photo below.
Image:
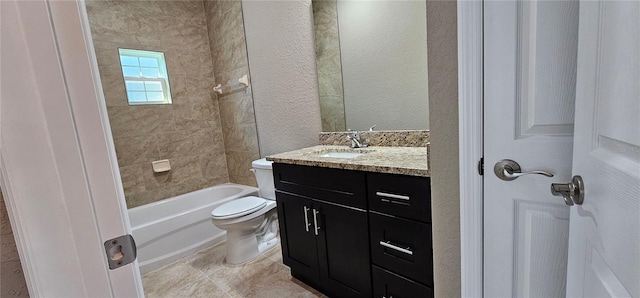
170	229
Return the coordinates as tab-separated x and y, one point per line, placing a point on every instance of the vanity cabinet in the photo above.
324	228
400	235
356	234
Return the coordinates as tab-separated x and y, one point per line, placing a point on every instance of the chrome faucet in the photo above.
355	140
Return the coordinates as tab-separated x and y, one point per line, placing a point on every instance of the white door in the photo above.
529	81
604	242
57	162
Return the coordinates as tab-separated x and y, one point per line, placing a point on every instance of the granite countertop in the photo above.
411	161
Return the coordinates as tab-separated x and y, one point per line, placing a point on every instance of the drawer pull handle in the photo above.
393	196
306	218
400	249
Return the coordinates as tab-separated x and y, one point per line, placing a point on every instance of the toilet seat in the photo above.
238	208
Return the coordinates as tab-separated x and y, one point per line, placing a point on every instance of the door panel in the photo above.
604	241
546	60
298	238
345	269
530	50
541	249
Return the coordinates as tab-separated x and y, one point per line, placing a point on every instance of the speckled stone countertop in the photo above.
411	161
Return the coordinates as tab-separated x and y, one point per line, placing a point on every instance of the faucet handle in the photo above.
372	127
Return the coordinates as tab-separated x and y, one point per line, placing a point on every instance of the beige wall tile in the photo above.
196	116
182	169
114	90
239	167
140	120
198	39
229	55
183	143
132	179
137	149
237	109
214	166
188	132
241	138
329	65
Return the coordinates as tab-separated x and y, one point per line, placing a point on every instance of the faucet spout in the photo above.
355	140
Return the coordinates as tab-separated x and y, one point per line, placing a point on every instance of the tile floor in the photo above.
205	274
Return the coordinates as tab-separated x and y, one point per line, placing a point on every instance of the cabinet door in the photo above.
343	249
298	238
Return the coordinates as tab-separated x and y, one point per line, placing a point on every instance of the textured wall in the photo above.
187	132
282	60
12	283
443	104
384	64
327	41
230	62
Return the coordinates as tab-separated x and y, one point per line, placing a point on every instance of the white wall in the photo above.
282	63
384	63
445	178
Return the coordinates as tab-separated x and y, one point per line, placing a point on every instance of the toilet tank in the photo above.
264	176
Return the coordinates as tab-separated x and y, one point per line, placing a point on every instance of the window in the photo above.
145	77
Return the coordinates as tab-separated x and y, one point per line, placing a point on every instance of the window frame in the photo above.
163	76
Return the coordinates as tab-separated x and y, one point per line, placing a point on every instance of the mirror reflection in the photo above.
371	58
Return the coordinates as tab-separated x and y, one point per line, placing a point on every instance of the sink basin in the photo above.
346	155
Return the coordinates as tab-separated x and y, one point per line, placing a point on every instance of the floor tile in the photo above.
179	280
205	274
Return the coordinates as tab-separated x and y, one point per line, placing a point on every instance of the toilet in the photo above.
251	222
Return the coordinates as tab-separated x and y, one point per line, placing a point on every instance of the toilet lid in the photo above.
239	207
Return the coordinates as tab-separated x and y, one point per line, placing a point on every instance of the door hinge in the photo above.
481	166
120	251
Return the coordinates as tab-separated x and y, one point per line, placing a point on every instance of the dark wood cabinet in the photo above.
324	229
345	269
390	285
355	234
402	246
299	248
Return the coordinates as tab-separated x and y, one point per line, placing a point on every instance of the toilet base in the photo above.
245	248
244	245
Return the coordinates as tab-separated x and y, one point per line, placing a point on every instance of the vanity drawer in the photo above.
402	246
333	185
400	195
389	284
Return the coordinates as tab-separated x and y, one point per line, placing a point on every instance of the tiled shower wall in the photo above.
12	283
188	132
229	54
325	22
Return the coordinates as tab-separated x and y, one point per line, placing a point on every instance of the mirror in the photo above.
371	58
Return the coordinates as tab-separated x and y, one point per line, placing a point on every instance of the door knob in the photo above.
572	192
508	170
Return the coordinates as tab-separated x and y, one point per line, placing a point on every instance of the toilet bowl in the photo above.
251	222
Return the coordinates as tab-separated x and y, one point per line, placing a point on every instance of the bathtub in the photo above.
176	227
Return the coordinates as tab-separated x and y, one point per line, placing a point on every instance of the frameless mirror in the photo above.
371	59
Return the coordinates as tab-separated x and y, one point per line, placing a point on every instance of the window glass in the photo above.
148	62
135	85
145	76
153	86
149	72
